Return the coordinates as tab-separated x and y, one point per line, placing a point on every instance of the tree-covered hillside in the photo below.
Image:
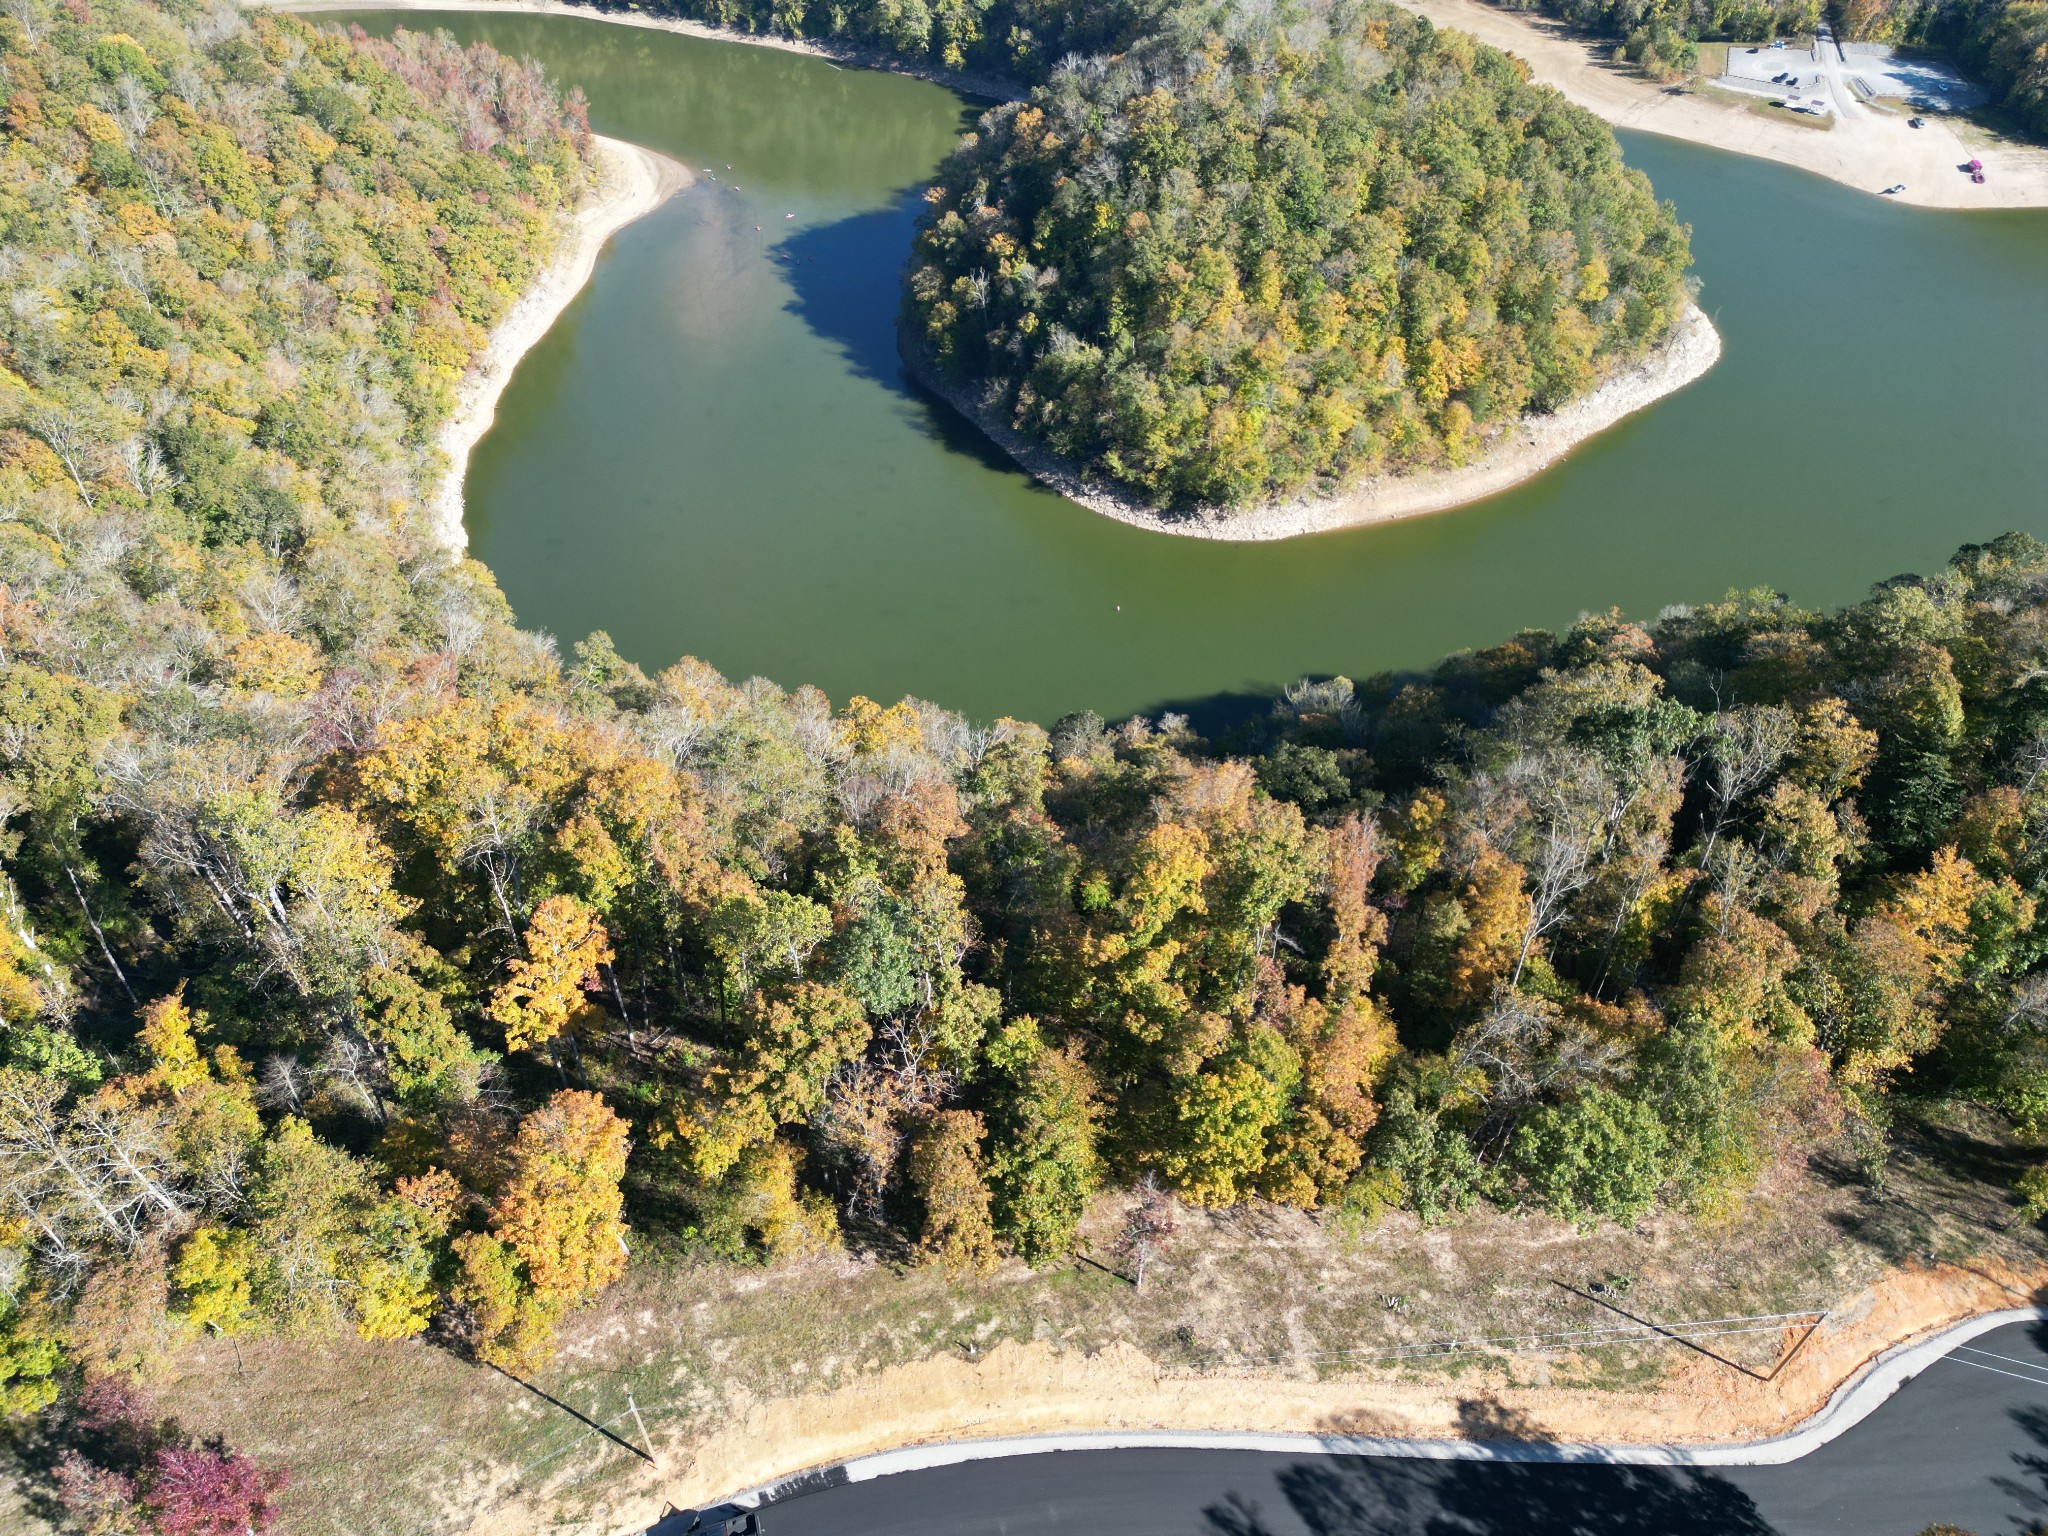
2002	42
366	966
1266	251
1659	35
246	265
1008	39
245	262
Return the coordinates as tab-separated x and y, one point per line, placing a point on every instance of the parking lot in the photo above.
1826	78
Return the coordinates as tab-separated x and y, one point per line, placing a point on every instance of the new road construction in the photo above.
1963	1442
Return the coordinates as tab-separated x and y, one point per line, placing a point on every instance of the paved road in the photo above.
1965	1442
1834	65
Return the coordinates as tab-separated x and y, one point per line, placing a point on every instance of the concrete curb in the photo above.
1852	1402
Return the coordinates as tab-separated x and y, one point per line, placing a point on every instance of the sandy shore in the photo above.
1519	453
633	182
1870	152
860	58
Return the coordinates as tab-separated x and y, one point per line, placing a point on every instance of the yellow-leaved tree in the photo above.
542	994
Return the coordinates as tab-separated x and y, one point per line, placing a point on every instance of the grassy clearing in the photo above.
1778	114
397	1439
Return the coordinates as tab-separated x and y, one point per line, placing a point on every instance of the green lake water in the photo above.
715	451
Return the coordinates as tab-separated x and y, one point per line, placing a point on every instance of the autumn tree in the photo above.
946	1176
1042	1162
209	1491
557	1232
543	991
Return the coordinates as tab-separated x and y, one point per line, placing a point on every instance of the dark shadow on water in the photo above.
846	284
1217	716
1371	1497
847	287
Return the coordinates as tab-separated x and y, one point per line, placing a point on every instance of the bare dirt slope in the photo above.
1251	1320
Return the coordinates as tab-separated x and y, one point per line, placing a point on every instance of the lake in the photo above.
715	451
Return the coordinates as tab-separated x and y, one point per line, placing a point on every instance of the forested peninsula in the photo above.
370	968
1292	268
1261	254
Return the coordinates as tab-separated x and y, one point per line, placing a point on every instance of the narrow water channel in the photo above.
715	452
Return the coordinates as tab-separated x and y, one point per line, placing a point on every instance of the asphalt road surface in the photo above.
1965	1442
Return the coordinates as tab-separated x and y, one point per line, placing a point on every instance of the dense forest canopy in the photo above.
1269	250
368	966
1009	39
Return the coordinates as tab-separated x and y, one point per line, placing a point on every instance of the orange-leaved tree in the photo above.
557	1234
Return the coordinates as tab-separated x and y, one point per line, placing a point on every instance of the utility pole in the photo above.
222	1333
640	1423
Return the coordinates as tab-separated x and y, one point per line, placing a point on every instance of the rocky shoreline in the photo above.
1518	453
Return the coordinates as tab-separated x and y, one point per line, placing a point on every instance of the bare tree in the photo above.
861	1129
1555	810
1744	747
104	1172
69	440
1521	1050
1148	1228
28	19
2026	1006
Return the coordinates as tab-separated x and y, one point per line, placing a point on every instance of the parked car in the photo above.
1916	122
718	1520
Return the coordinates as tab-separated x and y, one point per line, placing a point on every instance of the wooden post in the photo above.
641	1423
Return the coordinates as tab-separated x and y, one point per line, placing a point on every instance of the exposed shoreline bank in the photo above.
857	58
632	183
1521	452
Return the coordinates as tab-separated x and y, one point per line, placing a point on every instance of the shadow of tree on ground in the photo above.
1374	1497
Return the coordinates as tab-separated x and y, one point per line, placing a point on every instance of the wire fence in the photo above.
522	1477
1560	1341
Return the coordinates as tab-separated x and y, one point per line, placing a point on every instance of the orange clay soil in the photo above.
1021	1389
